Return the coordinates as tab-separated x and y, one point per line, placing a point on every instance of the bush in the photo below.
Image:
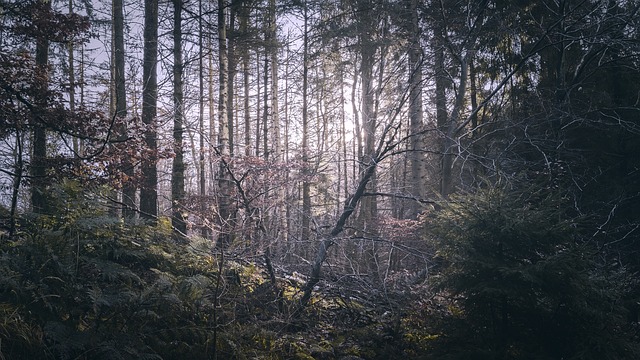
522	284
81	285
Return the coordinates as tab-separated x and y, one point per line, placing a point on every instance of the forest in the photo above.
320	179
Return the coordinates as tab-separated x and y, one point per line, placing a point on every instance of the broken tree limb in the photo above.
328	241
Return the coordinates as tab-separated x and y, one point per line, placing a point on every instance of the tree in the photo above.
225	185
39	149
149	187
306	181
128	187
178	220
202	183
418	145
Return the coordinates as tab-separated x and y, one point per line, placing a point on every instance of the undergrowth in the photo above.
81	284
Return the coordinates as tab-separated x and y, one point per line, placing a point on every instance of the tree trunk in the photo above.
306	184
417	159
369	206
202	182
72	83
178	220
265	106
231	68
258	107
273	51
441	107
128	188
39	152
225	185
244	24
149	188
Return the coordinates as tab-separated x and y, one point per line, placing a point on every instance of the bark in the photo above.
149	188
441	106
244	24
449	148
17	179
369	208
273	51
178	167
212	113
265	105
329	240
202	183
128	188
225	185
39	151
258	106
306	184
231	68
417	159
72	83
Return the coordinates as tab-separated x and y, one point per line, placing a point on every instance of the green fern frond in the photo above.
194	287
111	272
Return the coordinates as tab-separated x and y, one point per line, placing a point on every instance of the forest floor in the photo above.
348	318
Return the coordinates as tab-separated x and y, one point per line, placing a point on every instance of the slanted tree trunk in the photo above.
149	188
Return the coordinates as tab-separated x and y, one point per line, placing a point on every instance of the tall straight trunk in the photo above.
244	25
17	179
202	182
265	106
369	206
82	91
178	168
128	189
357	129
275	121
225	221
273	52
231	63
306	184
258	107
343	138
212	116
149	188
449	149
441	108
72	83
39	151
286	240
417	159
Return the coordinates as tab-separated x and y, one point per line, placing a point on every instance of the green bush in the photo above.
523	284
82	285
